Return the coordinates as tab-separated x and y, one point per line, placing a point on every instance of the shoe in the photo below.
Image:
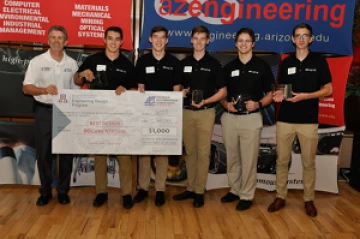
127	202
310	209
100	199
243	205
185	195
277	204
159	198
229	197
199	200
42	200
140	196
63	198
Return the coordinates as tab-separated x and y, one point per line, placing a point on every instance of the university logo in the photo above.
63	98
150	101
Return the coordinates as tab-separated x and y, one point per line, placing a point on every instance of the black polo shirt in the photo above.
304	76
118	72
253	78
205	74
157	75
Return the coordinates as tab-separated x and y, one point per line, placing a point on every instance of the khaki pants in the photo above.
308	138
125	173
145	172
241	137
197	131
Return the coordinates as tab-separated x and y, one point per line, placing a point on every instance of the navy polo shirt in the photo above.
205	74
304	76
118	72
159	75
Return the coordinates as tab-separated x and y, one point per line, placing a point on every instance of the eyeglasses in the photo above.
245	41
304	36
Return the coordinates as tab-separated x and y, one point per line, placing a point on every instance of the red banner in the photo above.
85	20
331	108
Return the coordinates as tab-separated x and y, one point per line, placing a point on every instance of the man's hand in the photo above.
185	92
88	74
297	97
199	105
120	90
251	105
51	90
278	96
230	107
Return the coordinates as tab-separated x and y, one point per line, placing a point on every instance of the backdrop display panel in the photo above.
272	22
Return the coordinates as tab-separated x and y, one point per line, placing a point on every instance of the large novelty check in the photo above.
100	122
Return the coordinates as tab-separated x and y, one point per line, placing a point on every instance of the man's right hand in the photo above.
88	75
51	90
230	107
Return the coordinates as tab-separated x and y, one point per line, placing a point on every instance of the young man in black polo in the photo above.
201	72
117	73
310	77
247	75
156	71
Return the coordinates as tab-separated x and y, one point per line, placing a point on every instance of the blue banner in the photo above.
272	22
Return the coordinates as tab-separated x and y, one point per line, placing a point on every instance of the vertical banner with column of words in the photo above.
85	20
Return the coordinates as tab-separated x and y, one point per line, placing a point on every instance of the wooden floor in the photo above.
339	216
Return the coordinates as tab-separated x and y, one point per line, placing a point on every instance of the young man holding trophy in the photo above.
110	70
248	80
308	75
203	87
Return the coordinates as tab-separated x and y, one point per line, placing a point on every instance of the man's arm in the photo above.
326	90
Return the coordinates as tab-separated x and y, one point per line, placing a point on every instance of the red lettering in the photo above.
195	5
325	10
177	11
297	10
167	9
215	5
308	10
270	8
231	15
285	8
337	20
241	9
250	7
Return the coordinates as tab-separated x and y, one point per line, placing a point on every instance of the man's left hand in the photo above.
120	90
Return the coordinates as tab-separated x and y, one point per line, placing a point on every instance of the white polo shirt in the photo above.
43	71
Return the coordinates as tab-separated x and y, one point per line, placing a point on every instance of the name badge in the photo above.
188	69
100	67
150	69
291	70
235	73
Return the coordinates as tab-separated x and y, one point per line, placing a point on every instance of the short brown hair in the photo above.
200	29
159	29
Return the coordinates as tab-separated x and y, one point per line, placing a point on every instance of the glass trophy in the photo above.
282	89
100	81
239	101
197	96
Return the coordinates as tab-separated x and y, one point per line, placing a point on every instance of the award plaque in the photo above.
197	96
283	89
239	101
100	81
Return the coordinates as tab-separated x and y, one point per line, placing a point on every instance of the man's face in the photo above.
302	38
158	41
199	41
244	43
57	41
112	42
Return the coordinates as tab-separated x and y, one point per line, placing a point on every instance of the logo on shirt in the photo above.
150	101
205	69
62	98
67	70
168	68
253	72
120	70
310	69
45	68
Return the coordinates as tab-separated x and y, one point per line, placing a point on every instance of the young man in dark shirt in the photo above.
248	80
116	73
156	71
201	72
310	77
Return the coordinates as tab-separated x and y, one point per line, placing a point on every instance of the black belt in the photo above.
243	113
43	105
202	108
